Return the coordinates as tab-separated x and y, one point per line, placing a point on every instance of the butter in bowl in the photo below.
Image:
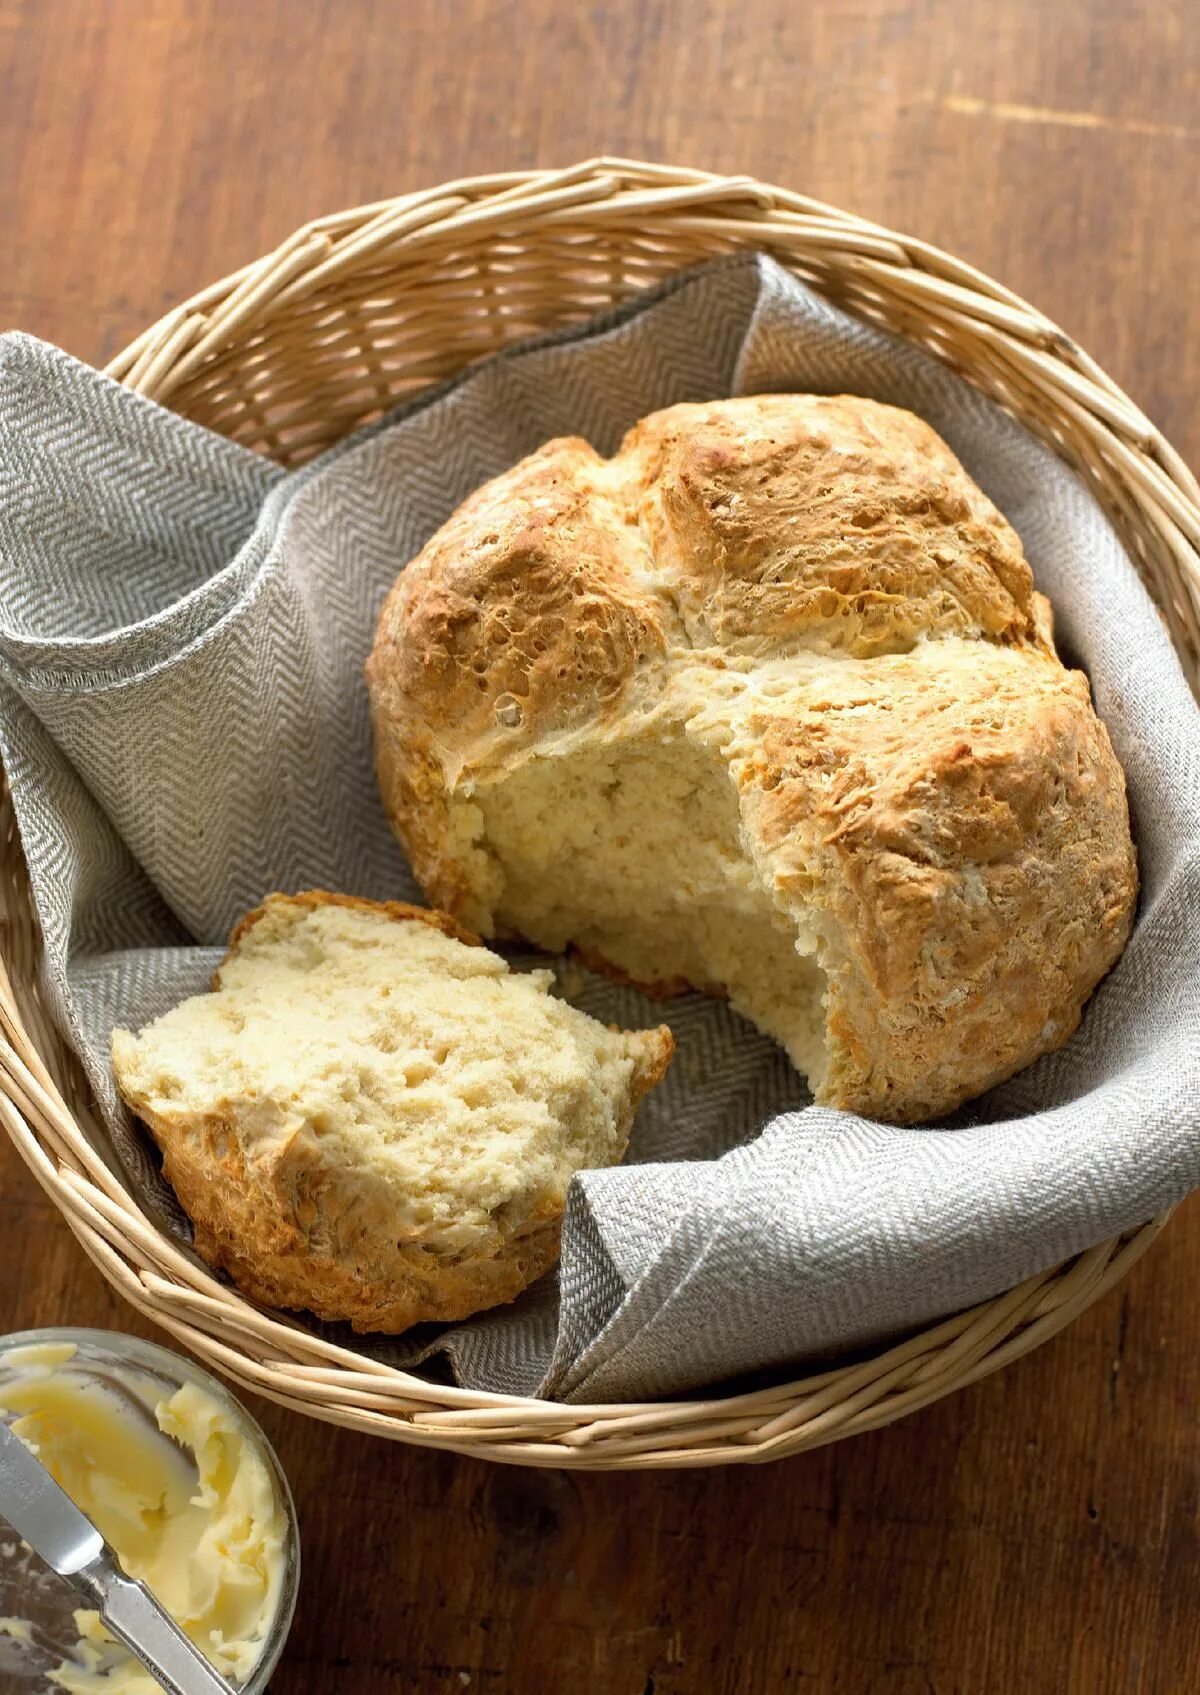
180	1481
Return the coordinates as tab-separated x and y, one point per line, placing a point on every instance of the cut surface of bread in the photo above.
766	705
372	1118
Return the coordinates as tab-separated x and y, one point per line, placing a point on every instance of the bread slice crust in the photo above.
302	1218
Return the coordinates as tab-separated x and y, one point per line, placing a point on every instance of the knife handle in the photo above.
134	1616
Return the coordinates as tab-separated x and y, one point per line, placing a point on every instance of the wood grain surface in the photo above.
1038	1534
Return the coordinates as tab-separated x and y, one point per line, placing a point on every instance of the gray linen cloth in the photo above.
184	727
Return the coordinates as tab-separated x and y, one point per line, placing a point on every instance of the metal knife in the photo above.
46	1517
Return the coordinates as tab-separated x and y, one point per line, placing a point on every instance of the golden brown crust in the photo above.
654	1061
233	1202
523	615
308	900
963	832
829	521
296	1229
936	785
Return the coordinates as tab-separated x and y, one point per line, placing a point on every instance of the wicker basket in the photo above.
350	315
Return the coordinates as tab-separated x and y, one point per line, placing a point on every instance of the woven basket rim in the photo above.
226	356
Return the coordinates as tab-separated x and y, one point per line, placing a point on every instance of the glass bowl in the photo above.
30	1591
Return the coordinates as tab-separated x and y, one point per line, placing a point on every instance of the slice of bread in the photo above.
372	1118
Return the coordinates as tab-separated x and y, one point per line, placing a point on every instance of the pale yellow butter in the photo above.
208	1538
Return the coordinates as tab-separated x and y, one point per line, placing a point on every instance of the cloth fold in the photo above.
184	727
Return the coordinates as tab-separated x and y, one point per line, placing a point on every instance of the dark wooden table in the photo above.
1037	1535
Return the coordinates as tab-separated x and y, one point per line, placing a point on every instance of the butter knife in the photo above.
46	1517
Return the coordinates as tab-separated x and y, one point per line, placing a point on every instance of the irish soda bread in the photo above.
370	1117
766	705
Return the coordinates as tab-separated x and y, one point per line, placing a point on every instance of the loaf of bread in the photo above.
372	1118
765	705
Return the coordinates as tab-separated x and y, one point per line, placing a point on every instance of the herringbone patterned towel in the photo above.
184	726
